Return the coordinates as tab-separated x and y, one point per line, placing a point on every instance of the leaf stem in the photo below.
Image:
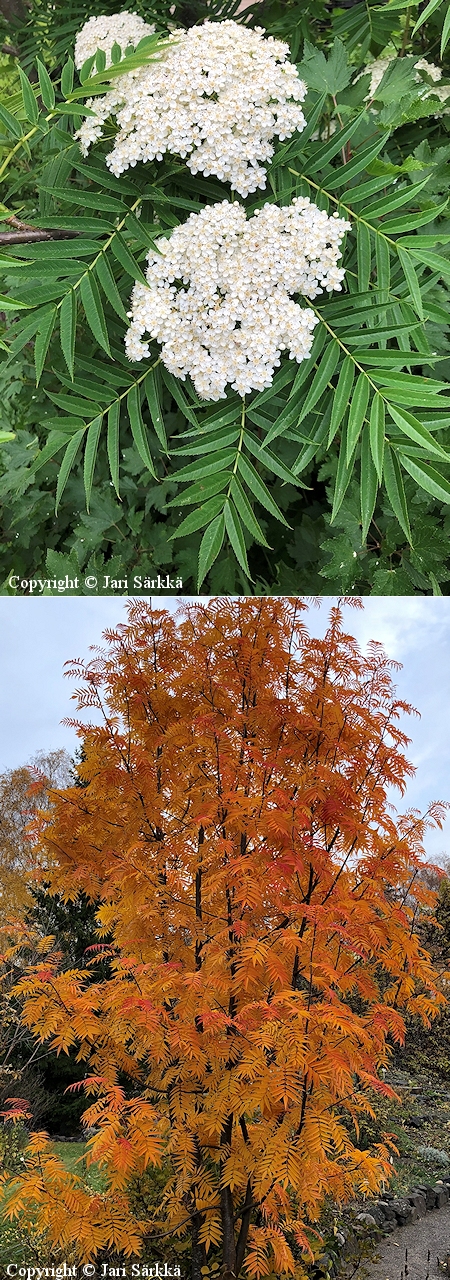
117	400
104	248
406	31
19	144
240	444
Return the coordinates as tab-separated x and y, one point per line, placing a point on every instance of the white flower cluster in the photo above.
217	97
123	29
219	295
378	68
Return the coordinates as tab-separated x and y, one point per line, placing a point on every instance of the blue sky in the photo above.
38	635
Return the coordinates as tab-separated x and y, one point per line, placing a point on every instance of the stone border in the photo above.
378	1218
392	1211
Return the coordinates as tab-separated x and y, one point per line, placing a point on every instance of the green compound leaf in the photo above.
9	122
42	342
400	226
260	490
106	280
369	483
138	429
126	259
395	490
94	312
29	101
377	433
152	391
445	33
343	475
197	519
246	512
357	413
341	177
67	329
112	443
321	379
45	85
410	426
364	256
410	275
90	456
341	396
11	304
67	464
326	153
210	546
234	530
428	10
203	490
179	396
394	201
427	478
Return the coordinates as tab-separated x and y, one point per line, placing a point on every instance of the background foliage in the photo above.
334	480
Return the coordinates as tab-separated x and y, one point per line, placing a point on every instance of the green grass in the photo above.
9	77
19	1242
72	1155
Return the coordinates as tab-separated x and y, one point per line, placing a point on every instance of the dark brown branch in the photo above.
241	1243
23	233
10	49
228	1269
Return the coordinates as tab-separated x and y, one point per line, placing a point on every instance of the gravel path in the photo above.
432	1233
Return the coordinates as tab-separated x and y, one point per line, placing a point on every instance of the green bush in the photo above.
334	479
13	1140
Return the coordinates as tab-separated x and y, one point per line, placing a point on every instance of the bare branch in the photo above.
34	235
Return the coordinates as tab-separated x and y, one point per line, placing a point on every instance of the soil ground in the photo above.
414	1252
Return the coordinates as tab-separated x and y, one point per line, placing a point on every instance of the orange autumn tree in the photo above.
259	898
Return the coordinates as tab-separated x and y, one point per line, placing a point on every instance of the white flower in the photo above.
435	73
123	29
219	293
217	97
378	68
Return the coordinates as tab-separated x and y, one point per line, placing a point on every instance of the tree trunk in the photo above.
14	11
228	1270
198	1251
245	1224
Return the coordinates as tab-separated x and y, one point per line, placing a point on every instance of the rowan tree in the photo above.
259	894
26	916
22	791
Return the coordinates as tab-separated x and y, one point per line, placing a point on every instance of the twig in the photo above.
30	235
406	31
